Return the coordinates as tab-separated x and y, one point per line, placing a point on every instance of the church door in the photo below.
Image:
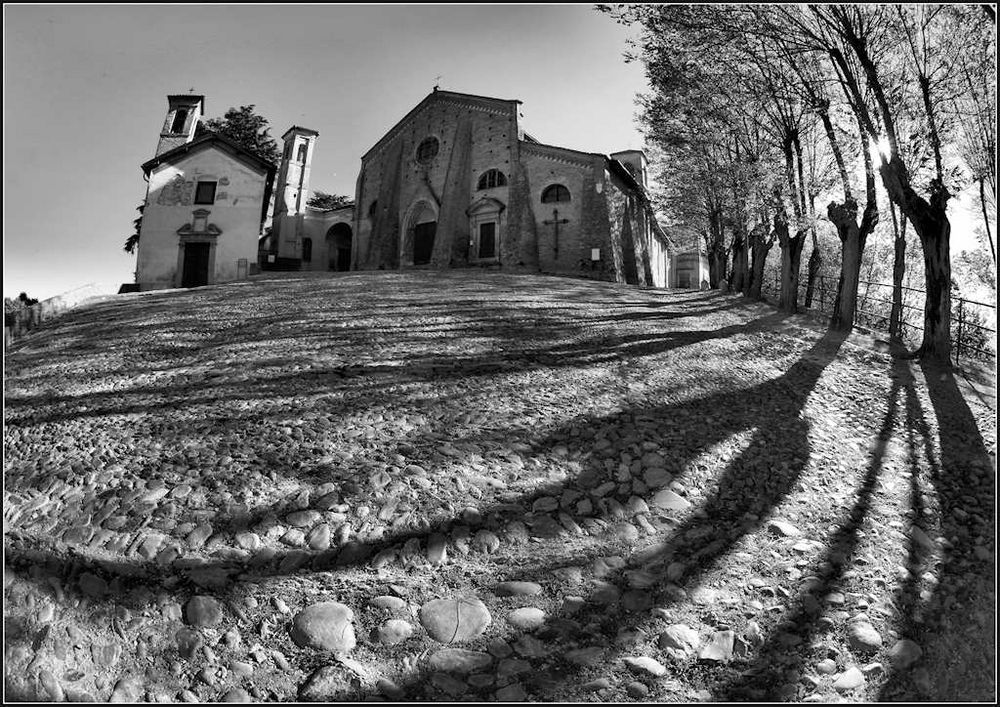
423	242
488	240
195	272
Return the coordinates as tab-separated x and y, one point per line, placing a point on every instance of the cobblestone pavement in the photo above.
439	486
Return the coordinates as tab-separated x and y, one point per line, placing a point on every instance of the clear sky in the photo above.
85	96
85	91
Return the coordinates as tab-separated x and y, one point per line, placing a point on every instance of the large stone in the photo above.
863	637
783	528
459	660
516	589
394	631
644	665
455	619
904	653
679	641
670	501
719	647
850	679
526	618
203	611
325	626
657	478
330	683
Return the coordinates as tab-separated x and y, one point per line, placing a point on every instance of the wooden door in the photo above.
423	242
488	240
195	272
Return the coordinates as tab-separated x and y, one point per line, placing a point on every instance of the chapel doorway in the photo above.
423	242
194	271
338	247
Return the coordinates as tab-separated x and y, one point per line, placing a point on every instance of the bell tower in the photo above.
293	177
292	191
183	112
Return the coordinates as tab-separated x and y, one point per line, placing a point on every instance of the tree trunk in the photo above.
929	219
740	264
791	264
716	266
898	271
852	238
815	262
758	258
986	218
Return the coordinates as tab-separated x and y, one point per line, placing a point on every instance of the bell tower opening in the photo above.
183	113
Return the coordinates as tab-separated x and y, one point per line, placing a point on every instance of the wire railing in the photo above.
971	333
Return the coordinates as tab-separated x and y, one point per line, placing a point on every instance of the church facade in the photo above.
456	183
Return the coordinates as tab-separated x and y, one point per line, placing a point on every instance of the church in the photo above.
456	183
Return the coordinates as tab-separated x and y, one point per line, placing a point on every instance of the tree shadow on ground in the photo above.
953	619
740	500
779	661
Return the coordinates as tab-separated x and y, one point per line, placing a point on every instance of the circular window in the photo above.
427	150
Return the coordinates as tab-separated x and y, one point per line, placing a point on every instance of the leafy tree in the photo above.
132	242
321	200
247	129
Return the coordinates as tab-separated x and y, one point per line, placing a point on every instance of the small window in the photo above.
303	149
288	150
427	150
556	192
373	209
205	193
307	250
492	178
180	118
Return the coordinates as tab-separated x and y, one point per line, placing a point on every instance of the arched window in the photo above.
307	250
373	209
180	117
556	192
492	178
303	149
427	150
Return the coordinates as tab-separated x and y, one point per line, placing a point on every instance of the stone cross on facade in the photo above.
555	226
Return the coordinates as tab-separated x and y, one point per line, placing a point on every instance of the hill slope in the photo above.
707	500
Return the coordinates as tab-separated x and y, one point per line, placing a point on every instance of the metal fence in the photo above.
971	333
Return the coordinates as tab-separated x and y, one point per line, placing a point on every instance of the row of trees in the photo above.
761	113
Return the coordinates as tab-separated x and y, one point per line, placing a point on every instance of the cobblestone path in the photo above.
441	486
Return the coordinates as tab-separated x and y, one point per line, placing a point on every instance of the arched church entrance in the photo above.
338	246
423	227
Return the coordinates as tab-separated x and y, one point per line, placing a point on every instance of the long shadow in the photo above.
775	671
956	626
749	488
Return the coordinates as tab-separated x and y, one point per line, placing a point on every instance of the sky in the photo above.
85	97
85	91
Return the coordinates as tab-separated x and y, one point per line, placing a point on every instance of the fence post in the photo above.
958	347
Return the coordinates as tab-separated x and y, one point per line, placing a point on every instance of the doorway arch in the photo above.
421	230
339	240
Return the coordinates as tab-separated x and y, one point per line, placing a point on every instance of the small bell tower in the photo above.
293	176
292	190
183	112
